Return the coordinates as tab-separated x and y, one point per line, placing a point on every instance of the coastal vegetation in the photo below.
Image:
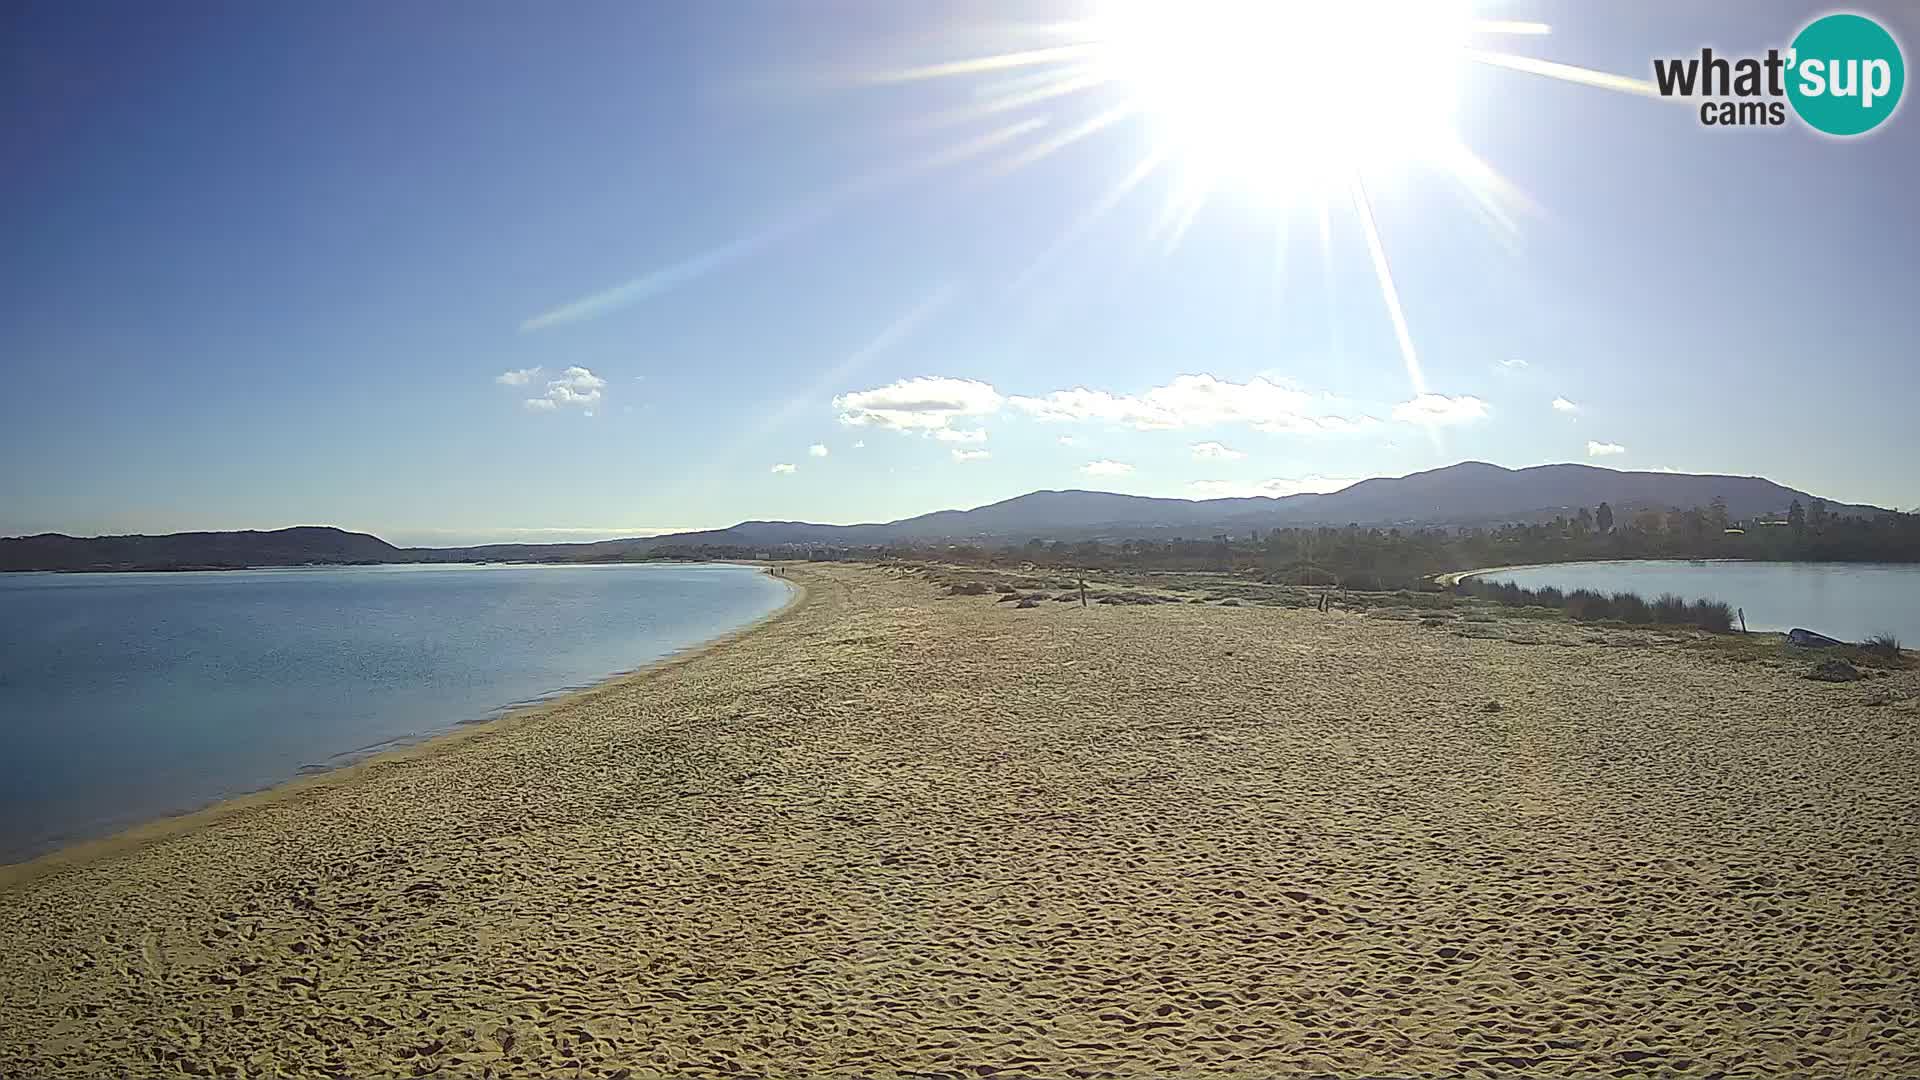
1586	605
1398	558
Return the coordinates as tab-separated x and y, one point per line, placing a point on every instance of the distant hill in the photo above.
1469	493
1475	490
195	550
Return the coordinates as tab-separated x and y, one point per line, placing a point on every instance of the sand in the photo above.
899	834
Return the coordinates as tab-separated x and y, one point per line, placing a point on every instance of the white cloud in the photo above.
1213	451
817	450
1278	486
1196	401
970	455
1515	364
567	395
860	444
1604	449
1439	410
923	404
785	467
958	435
1106	468
1068	440
1561	404
580	379
517	378
575	386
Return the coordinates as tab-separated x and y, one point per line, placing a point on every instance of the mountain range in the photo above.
1465	494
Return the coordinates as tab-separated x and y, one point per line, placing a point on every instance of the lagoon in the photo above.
1850	601
125	697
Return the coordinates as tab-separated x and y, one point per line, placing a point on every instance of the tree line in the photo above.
1396	558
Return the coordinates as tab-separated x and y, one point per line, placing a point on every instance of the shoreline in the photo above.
82	853
1454	577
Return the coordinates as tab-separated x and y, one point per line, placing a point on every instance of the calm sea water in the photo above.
1850	601
125	697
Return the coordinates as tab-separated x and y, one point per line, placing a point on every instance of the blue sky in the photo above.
268	265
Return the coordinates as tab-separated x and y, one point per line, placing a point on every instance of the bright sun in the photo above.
1295	103
1287	97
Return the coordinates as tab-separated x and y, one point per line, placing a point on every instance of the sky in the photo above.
502	272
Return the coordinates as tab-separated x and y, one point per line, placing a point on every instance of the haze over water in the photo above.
125	697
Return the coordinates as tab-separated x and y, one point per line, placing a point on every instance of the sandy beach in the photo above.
900	833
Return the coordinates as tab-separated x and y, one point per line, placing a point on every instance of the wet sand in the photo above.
894	833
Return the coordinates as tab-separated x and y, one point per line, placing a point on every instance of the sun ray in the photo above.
1099	209
1017	94
1063	140
1382	269
1013	89
1335	338
1494	199
809	213
819	388
981	64
1564	72
836	377
1183	204
973	147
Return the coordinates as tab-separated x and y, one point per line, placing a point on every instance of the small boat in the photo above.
1807	639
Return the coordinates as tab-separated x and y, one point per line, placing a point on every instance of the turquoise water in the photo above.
125	697
1850	601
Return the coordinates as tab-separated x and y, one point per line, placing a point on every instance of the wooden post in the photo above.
1743	620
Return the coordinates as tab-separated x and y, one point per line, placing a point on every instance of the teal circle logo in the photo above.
1845	74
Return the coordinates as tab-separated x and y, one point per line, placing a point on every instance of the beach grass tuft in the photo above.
1884	644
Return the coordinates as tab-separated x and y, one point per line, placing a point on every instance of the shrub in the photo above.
1631	608
1670	610
1587	605
1712	615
